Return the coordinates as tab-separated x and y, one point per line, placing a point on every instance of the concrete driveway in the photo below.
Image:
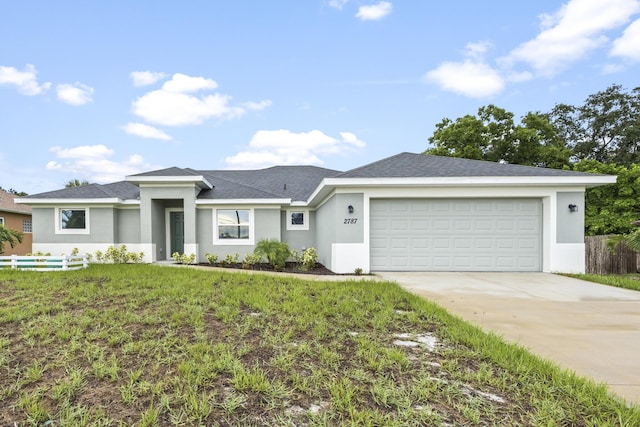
588	328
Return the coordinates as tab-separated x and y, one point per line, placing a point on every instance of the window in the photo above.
72	221
2	221
298	220
26	226
234	226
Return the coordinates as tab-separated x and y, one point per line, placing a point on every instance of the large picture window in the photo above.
72	221
234	225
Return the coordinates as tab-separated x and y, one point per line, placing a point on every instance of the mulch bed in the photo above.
290	267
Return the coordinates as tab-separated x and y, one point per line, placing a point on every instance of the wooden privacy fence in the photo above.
600	260
44	263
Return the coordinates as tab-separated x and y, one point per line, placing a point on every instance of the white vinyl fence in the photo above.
44	263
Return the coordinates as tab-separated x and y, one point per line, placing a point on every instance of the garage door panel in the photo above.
455	234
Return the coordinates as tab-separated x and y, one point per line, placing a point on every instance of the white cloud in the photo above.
374	12
92	162
477	50
26	81
181	83
146	131
176	103
571	33
338	4
468	78
283	147
74	94
145	78
628	46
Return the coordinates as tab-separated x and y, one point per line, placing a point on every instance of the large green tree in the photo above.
494	136
606	127
10	236
612	208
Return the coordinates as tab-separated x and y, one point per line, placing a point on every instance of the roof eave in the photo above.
79	201
243	201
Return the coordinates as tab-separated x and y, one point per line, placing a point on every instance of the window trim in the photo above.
305	219
87	222
233	242
30	222
2	223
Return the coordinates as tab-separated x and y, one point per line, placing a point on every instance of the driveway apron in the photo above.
585	327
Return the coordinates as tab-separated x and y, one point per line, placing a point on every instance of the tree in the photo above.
10	236
605	128
14	192
494	136
611	209
76	183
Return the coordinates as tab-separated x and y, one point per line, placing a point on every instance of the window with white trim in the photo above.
298	220
233	226
27	226
72	221
1	220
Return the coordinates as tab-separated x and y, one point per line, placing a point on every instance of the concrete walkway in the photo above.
588	328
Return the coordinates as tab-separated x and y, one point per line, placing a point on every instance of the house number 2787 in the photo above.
350	220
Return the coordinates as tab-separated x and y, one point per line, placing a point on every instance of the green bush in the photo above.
274	251
308	259
120	255
183	258
250	260
211	258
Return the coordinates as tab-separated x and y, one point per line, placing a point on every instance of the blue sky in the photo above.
101	90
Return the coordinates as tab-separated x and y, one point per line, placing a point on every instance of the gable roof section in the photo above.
8	204
289	182
411	165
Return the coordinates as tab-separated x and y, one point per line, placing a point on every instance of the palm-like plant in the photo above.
10	236
274	251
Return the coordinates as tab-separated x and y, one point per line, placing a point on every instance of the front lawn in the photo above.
627	281
146	345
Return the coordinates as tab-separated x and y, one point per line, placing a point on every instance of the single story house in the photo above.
16	216
408	212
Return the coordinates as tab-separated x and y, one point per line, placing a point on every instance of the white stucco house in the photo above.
408	212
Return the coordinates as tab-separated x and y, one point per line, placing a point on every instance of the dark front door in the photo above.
176	226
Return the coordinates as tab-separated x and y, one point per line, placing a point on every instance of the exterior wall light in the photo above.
573	208
350	209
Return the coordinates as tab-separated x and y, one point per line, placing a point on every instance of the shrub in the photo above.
358	271
183	258
211	258
230	259
274	251
250	260
118	255
308	259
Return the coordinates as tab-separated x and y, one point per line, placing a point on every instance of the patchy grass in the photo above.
626	281
155	346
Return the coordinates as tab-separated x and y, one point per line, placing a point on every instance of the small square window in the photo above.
297	220
26	226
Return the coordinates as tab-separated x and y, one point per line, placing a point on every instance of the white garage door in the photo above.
456	234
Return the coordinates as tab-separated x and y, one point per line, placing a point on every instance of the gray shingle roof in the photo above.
411	165
294	182
299	182
121	189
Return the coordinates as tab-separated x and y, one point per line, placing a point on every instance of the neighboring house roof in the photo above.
7	204
411	165
308	183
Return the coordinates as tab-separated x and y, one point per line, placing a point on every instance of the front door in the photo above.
176	229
